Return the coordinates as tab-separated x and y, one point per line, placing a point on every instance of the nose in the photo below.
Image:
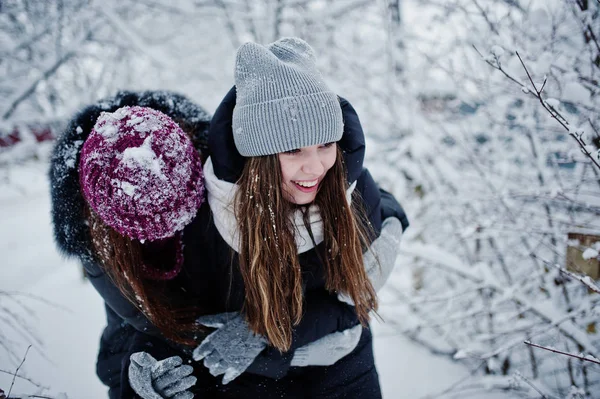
312	164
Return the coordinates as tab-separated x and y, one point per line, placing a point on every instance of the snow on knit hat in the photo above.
141	173
282	102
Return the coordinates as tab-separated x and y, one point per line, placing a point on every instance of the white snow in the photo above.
590	253
553	102
128	188
144	157
575	93
105	126
497	51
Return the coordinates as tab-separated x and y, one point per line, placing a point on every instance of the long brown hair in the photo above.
123	261
268	253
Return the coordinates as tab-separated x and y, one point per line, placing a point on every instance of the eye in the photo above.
291	152
327	145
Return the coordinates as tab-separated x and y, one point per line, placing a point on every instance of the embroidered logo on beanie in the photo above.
141	173
282	102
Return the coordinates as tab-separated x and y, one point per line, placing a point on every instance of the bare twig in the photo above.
17	371
587	359
21	377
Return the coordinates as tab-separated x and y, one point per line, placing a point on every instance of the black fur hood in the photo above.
70	229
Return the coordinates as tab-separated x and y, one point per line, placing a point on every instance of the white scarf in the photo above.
220	199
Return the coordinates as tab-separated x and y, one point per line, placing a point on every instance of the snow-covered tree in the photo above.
493	153
504	161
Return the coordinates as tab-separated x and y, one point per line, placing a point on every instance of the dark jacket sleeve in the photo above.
379	204
115	300
390	207
370	196
115	344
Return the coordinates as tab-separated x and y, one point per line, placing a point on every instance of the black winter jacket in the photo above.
324	314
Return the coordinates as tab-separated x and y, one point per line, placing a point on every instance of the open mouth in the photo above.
307	186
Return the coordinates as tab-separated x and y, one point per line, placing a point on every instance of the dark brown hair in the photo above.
123	261
269	256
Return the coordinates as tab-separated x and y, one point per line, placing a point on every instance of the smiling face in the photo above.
303	171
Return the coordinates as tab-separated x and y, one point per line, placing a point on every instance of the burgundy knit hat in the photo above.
141	173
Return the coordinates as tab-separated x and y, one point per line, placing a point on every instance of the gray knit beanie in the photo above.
282	102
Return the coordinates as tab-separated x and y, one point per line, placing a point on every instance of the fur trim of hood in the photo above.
71	232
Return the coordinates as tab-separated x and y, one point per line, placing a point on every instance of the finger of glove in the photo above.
173	376
142	359
231	374
215	365
204	349
184	395
165	365
140	380
218	369
179	386
216	320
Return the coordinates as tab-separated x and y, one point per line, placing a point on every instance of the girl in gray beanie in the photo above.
288	194
296	237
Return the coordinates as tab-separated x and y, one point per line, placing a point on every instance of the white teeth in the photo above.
307	184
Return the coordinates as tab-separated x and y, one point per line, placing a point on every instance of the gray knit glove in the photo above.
329	349
384	248
168	378
231	348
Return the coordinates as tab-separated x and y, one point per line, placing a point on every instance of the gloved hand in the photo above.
329	349
384	248
168	378
231	348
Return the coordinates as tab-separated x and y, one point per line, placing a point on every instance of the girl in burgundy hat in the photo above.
126	181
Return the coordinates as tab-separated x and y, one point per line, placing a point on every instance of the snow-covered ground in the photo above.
67	314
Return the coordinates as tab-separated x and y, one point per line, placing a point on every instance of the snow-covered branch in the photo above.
585	280
586	358
549	104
